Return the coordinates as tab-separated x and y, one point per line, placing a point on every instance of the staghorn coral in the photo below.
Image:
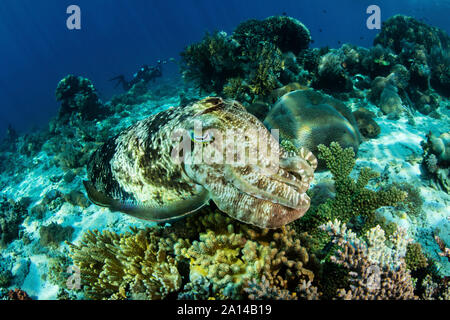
353	201
134	265
230	255
414	258
377	272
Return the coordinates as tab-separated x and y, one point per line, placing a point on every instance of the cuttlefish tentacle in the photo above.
303	164
263	187
252	210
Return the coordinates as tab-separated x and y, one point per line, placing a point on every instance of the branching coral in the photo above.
414	258
267	66
377	271
134	265
353	201
230	255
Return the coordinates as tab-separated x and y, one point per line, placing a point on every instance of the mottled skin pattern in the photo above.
135	172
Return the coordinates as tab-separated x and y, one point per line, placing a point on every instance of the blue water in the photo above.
117	36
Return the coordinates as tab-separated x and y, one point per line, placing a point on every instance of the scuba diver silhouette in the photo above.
144	74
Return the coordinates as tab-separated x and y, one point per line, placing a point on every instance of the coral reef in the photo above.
12	215
211	62
353	201
231	255
286	33
249	64
135	265
376	271
78	95
423	49
331	73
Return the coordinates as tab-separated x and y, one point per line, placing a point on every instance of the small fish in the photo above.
320	30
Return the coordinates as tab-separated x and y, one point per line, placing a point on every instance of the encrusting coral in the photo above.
134	265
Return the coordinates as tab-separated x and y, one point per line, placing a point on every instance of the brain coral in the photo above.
309	118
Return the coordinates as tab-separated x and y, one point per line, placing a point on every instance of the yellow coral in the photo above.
229	254
133	265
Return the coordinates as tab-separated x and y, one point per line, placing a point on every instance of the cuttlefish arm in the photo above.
170	211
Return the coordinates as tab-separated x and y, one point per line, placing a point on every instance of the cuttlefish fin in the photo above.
171	211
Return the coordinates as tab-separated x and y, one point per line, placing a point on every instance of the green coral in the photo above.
134	265
415	259
413	202
353	201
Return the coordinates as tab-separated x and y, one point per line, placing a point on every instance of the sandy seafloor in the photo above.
396	154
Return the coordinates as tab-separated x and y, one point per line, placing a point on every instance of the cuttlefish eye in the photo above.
205	138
